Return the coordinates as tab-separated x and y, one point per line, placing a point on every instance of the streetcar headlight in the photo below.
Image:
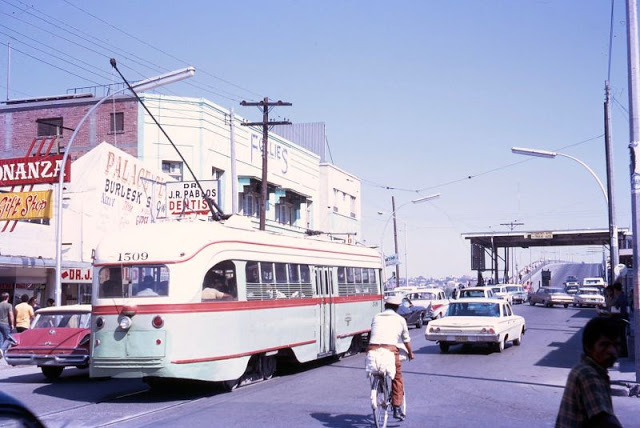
125	323
99	323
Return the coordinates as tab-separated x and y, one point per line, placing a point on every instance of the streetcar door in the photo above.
326	322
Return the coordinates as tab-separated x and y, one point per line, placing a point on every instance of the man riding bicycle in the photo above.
389	331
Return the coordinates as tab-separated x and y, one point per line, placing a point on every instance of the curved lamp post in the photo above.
144	85
613	228
395	230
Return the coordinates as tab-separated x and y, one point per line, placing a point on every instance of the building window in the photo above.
251	204
216	174
285	213
116	123
49	127
353	206
173	168
336	193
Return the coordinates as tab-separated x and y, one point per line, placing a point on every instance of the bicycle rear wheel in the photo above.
380	402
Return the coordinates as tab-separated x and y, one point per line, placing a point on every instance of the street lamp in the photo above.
143	85
395	229
613	227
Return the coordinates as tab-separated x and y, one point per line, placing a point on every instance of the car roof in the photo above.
487	287
477	300
64	309
589	288
426	290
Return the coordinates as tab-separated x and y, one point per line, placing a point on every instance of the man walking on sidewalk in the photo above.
6	322
587	396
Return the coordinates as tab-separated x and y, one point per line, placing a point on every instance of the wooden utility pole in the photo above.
265	104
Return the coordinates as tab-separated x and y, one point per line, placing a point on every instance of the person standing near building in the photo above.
24	314
586	401
6	322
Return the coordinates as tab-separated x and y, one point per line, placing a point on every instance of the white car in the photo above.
433	298
501	291
470	321
474	292
588	296
593	282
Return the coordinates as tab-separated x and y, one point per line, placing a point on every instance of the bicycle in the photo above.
381	398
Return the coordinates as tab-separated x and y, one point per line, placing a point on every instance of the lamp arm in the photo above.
604	192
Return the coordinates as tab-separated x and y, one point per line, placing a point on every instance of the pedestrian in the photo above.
608	298
6	322
620	311
50	302
24	314
586	401
34	303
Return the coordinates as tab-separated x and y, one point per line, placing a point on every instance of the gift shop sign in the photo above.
33	170
76	276
186	198
25	205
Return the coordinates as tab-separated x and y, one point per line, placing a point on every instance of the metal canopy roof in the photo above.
543	238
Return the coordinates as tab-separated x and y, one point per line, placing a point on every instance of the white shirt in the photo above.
389	328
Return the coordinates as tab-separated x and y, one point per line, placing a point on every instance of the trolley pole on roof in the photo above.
265	104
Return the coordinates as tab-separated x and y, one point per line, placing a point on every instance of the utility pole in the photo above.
265	104
614	254
512	225
634	165
395	239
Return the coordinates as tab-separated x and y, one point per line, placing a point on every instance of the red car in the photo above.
59	337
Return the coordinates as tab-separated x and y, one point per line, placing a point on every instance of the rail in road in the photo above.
521	386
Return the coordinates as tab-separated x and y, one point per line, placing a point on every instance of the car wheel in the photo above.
518	341
51	372
500	345
444	347
566	305
532	303
420	321
267	366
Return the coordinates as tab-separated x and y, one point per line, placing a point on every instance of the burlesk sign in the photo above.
32	170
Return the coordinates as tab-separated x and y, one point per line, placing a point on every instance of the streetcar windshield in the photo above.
134	281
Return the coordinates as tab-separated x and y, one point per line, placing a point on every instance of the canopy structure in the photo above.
490	242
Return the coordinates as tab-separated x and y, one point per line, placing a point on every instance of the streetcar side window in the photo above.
220	283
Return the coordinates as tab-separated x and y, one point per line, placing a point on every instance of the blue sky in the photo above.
417	96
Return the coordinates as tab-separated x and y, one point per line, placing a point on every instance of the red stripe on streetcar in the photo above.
179	308
239	242
242	354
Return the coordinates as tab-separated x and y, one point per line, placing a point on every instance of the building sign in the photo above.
25	205
391	260
32	170
541	235
77	276
185	197
276	151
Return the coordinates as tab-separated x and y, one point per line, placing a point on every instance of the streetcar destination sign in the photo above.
541	235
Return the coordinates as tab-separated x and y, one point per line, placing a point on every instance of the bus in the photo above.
221	301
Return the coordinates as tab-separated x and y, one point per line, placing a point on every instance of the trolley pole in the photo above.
265	104
395	238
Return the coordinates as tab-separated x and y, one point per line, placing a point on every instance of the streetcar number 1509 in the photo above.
132	257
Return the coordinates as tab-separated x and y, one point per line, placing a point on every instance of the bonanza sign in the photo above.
25	205
33	170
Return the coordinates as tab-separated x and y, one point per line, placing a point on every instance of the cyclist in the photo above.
389	330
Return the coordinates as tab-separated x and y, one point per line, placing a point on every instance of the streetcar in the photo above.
223	302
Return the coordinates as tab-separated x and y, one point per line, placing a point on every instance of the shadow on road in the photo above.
340	421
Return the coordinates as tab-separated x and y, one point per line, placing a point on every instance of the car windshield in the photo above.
474	309
556	290
589	292
422	296
472	293
514	289
63	320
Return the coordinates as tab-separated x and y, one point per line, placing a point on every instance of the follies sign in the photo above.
25	205
32	170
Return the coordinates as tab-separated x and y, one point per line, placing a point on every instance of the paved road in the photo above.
520	387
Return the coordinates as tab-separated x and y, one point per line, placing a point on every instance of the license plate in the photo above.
461	338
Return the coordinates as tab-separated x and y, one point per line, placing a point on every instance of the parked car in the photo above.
518	295
500	291
593	282
434	299
414	314
59	337
549	296
571	278
588	296
477	320
470	292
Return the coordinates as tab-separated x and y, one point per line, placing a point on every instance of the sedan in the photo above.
549	296
470	321
414	314
588	296
59	337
